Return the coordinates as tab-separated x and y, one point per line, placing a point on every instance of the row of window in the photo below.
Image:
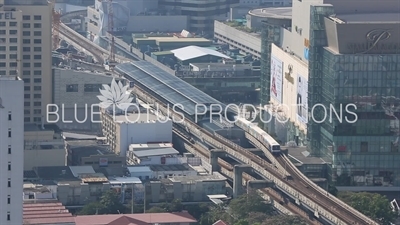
28	33
15	56
28	96
36	80
9	166
35	111
36	17
24	25
35	119
14	64
87	87
28	72
27	104
35	88
24	49
11	32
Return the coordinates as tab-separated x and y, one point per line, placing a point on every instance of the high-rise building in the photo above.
25	28
201	13
336	70
11	149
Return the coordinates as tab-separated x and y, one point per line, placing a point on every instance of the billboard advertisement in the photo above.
103	162
276	79
302	99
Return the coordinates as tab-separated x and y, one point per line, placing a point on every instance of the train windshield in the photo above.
276	147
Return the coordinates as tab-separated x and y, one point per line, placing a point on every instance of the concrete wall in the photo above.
75	111
139	133
77	193
157	23
237	38
43	157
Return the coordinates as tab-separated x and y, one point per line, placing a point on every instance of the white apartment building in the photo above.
25	28
11	149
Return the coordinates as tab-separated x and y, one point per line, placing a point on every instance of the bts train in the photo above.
272	145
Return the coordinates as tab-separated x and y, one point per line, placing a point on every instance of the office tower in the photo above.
346	55
26	26
201	13
11	149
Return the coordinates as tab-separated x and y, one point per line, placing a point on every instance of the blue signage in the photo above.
306	50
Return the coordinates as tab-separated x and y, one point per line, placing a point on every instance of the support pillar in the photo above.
237	178
214	154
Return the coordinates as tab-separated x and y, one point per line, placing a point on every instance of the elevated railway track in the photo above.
290	180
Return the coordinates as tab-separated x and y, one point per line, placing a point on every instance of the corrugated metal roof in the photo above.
93	178
125	180
154	152
76	170
192	52
139	169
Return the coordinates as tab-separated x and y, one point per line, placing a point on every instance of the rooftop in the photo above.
139	219
171	167
78	136
136	117
87	148
301	155
171	39
58	173
124	180
188	179
192	52
221	66
78	170
149	146
169	87
276	13
93	178
155	152
369	18
29	127
46	213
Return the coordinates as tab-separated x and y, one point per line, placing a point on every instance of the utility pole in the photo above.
144	199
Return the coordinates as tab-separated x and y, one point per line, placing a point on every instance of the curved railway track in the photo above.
274	195
337	208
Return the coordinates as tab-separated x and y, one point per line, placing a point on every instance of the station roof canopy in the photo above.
169	87
192	52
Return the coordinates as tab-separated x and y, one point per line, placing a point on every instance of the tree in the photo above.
247	203
92	209
285	220
213	215
372	205
111	203
197	210
156	209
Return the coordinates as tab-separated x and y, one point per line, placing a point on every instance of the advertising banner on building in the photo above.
103	162
276	79
302	99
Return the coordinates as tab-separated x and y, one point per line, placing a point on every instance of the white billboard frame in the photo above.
276	80
302	99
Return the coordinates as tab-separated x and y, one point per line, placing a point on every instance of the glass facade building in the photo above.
362	142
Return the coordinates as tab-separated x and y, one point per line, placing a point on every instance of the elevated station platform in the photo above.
169	88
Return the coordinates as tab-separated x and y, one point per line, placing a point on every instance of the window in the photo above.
26	17
37	41
37	80
37	111
13	64
37	72
364	146
37	57
9	132
26	41
26	65
27	119
26	25
26	49
9	115
27	96
27	88
13	48
26	33
13	31
37	33
9	182
2	72
37	25
2	48
27	104
9	166
37	88
37	119
37	17
37	65
8	216
26	57
3	32
9	149
37	49
27	80
8	199
13	56
2	64
2	24
2	56
72	88
13	40
37	96
92	87
37	104
13	24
